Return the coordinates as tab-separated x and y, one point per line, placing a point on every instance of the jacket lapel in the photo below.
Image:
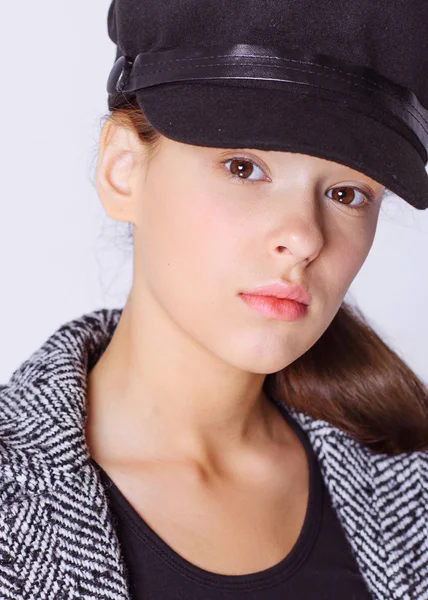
382	504
57	539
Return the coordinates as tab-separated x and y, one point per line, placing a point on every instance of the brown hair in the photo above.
349	377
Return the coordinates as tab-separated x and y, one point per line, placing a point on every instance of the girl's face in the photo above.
203	235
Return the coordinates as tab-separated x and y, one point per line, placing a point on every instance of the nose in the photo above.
299	233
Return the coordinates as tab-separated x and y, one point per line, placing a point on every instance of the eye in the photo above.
347	194
244	169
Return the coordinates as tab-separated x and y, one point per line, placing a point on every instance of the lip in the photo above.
274	307
279	289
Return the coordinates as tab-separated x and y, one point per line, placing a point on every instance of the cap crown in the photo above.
389	37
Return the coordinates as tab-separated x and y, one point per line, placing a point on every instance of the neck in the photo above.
156	392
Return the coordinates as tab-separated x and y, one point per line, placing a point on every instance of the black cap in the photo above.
345	81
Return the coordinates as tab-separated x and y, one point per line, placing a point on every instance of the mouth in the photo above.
284	309
282	290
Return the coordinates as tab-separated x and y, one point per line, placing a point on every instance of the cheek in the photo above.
347	253
186	240
187	253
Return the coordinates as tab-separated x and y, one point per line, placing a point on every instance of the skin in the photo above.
176	411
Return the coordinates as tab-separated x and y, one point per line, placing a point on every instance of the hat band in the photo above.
293	65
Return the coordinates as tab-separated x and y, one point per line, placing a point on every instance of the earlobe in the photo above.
114	172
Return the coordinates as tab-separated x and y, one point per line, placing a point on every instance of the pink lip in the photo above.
275	308
283	290
287	302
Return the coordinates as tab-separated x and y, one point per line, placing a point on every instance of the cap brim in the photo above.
289	119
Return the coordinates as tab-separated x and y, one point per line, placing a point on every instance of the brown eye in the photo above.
245	169
346	195
242	168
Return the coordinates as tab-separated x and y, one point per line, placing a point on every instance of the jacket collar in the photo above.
381	501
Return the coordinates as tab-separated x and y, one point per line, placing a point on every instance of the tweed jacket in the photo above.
57	538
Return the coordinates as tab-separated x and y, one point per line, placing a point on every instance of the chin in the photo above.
262	355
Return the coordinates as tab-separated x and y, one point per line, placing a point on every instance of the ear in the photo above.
117	168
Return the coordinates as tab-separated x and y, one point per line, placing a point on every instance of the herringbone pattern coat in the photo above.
57	541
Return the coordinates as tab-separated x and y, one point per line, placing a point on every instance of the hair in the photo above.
350	377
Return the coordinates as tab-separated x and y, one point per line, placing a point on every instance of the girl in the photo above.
236	430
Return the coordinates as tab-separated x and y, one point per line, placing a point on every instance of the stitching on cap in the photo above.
281	59
312	85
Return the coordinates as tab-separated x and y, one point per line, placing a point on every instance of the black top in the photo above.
320	565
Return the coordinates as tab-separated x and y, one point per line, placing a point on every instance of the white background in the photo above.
61	256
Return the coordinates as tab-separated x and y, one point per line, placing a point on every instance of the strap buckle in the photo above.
119	75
